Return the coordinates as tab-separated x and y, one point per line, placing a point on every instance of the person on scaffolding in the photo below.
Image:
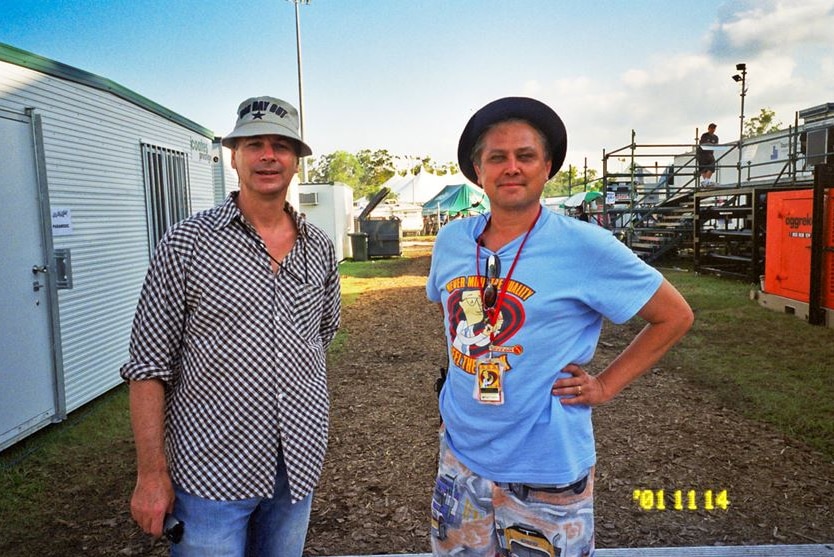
706	157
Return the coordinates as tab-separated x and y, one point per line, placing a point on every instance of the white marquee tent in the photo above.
421	187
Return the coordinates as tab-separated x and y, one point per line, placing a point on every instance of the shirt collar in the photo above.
229	212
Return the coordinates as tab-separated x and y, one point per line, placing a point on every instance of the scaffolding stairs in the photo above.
661	206
661	229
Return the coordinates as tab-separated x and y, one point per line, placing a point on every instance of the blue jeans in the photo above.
249	527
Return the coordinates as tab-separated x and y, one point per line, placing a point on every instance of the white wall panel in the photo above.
93	163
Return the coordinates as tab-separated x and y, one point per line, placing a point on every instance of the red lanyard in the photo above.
495	310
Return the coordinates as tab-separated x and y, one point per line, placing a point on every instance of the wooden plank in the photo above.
722	257
747	233
804	550
722	551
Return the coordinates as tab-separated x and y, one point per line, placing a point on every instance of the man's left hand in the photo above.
580	388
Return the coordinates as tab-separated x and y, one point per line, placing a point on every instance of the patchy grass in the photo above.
773	367
358	277
77	452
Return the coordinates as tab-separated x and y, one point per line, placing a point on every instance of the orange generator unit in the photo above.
788	252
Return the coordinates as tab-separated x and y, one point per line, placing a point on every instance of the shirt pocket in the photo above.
308	304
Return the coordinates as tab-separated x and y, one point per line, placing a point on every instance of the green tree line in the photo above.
569	181
366	171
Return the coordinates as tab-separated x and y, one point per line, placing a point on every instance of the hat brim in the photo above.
252	129
541	116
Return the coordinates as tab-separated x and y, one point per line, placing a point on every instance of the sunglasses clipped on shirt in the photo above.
493	271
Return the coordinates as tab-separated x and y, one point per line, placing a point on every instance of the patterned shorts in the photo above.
473	516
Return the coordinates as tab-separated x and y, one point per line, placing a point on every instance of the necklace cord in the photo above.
494	311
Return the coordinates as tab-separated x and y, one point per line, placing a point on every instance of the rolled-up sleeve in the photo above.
157	331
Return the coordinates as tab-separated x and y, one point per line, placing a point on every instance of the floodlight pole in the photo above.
743	79
585	187
570	173
300	84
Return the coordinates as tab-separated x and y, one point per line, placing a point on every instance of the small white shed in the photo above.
330	207
92	175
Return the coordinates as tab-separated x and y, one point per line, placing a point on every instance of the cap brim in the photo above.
252	129
536	112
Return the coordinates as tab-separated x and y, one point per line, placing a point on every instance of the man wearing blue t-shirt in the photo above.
517	448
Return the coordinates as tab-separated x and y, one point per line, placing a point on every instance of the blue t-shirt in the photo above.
569	275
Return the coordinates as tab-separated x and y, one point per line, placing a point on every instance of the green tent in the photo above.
457	199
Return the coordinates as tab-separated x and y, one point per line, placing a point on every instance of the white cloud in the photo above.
787	47
636	78
777	25
827	69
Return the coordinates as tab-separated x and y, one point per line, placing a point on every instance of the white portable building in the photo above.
330	207
92	175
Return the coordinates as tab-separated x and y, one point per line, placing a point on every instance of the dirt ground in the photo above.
660	434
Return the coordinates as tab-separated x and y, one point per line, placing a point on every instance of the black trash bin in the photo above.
383	236
359	246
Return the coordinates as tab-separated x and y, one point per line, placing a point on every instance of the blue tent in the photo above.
459	199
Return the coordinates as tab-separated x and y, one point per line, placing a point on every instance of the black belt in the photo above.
522	490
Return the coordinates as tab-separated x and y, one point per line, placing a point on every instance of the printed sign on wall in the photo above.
61	222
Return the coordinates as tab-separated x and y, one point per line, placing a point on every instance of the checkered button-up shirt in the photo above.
241	351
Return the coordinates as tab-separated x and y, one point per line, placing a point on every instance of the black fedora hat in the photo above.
536	112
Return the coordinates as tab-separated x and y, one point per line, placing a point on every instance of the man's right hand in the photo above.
154	492
153	497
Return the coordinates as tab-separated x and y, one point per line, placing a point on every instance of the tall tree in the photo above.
764	123
339	166
378	166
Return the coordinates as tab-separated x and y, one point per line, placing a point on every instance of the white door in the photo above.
27	375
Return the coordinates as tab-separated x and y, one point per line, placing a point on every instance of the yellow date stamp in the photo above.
682	500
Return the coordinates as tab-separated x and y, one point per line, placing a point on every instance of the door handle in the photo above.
40	269
36	286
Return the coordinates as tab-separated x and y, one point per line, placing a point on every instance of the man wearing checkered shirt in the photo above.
228	388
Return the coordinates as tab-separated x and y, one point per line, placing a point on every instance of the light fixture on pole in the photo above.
743	80
300	84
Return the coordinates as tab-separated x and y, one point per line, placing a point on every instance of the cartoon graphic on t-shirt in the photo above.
473	329
473	338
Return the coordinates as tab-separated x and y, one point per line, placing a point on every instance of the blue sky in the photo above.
407	75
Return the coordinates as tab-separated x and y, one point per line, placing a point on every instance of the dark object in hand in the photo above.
438	384
173	528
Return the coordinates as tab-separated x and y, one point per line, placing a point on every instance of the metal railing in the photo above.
661	204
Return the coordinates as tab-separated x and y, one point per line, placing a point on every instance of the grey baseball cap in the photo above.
267	116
